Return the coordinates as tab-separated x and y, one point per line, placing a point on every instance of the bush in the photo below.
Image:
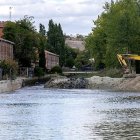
56	69
38	71
69	62
10	68
112	72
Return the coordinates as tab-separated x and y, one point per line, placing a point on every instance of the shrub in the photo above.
9	67
38	71
56	69
113	72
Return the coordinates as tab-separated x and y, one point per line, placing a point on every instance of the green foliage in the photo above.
113	72
56	69
42	60
69	56
30	45
9	67
56	41
42	29
25	37
38	71
82	59
116	30
69	62
56	44
43	45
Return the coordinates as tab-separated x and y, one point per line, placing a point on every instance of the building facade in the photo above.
51	60
6	49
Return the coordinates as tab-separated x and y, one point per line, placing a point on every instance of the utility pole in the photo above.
10	13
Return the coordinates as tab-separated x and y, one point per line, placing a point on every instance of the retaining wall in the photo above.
10	85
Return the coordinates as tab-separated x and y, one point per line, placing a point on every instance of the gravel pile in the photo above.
98	82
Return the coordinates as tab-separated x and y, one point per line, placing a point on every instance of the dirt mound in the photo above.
98	82
130	84
120	84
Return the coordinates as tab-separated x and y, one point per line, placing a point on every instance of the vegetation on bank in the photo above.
30	45
9	69
113	73
117	30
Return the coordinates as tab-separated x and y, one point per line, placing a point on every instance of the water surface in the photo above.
35	113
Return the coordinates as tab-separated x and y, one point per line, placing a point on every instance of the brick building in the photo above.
6	49
2	23
6	46
51	60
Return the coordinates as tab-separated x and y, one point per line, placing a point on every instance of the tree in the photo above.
82	59
56	40
116	30
25	37
42	46
69	56
42	29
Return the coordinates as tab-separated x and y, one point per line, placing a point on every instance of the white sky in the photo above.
75	16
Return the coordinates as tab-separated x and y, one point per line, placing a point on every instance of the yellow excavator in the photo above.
130	63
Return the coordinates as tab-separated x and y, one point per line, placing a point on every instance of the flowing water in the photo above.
35	113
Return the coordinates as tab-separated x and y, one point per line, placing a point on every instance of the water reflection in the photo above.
35	113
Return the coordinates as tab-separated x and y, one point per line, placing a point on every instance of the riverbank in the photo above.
115	84
104	83
55	81
19	82
63	82
96	82
10	85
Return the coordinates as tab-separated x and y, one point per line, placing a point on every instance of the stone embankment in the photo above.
96	82
10	85
67	83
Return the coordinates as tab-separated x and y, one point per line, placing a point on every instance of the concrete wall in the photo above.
10	85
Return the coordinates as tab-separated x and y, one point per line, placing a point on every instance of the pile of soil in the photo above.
120	84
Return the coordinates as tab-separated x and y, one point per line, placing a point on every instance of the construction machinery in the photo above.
130	63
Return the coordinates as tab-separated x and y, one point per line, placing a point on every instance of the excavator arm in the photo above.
121	60
124	58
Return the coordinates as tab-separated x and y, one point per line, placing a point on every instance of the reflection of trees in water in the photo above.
118	124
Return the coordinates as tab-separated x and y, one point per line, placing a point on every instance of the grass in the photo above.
114	73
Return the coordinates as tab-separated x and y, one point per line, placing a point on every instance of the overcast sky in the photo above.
75	16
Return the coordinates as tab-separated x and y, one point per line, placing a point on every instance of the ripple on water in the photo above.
36	113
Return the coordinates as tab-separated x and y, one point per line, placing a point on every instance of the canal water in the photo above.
35	113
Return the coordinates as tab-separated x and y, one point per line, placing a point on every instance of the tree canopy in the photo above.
24	35
116	30
56	43
30	45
